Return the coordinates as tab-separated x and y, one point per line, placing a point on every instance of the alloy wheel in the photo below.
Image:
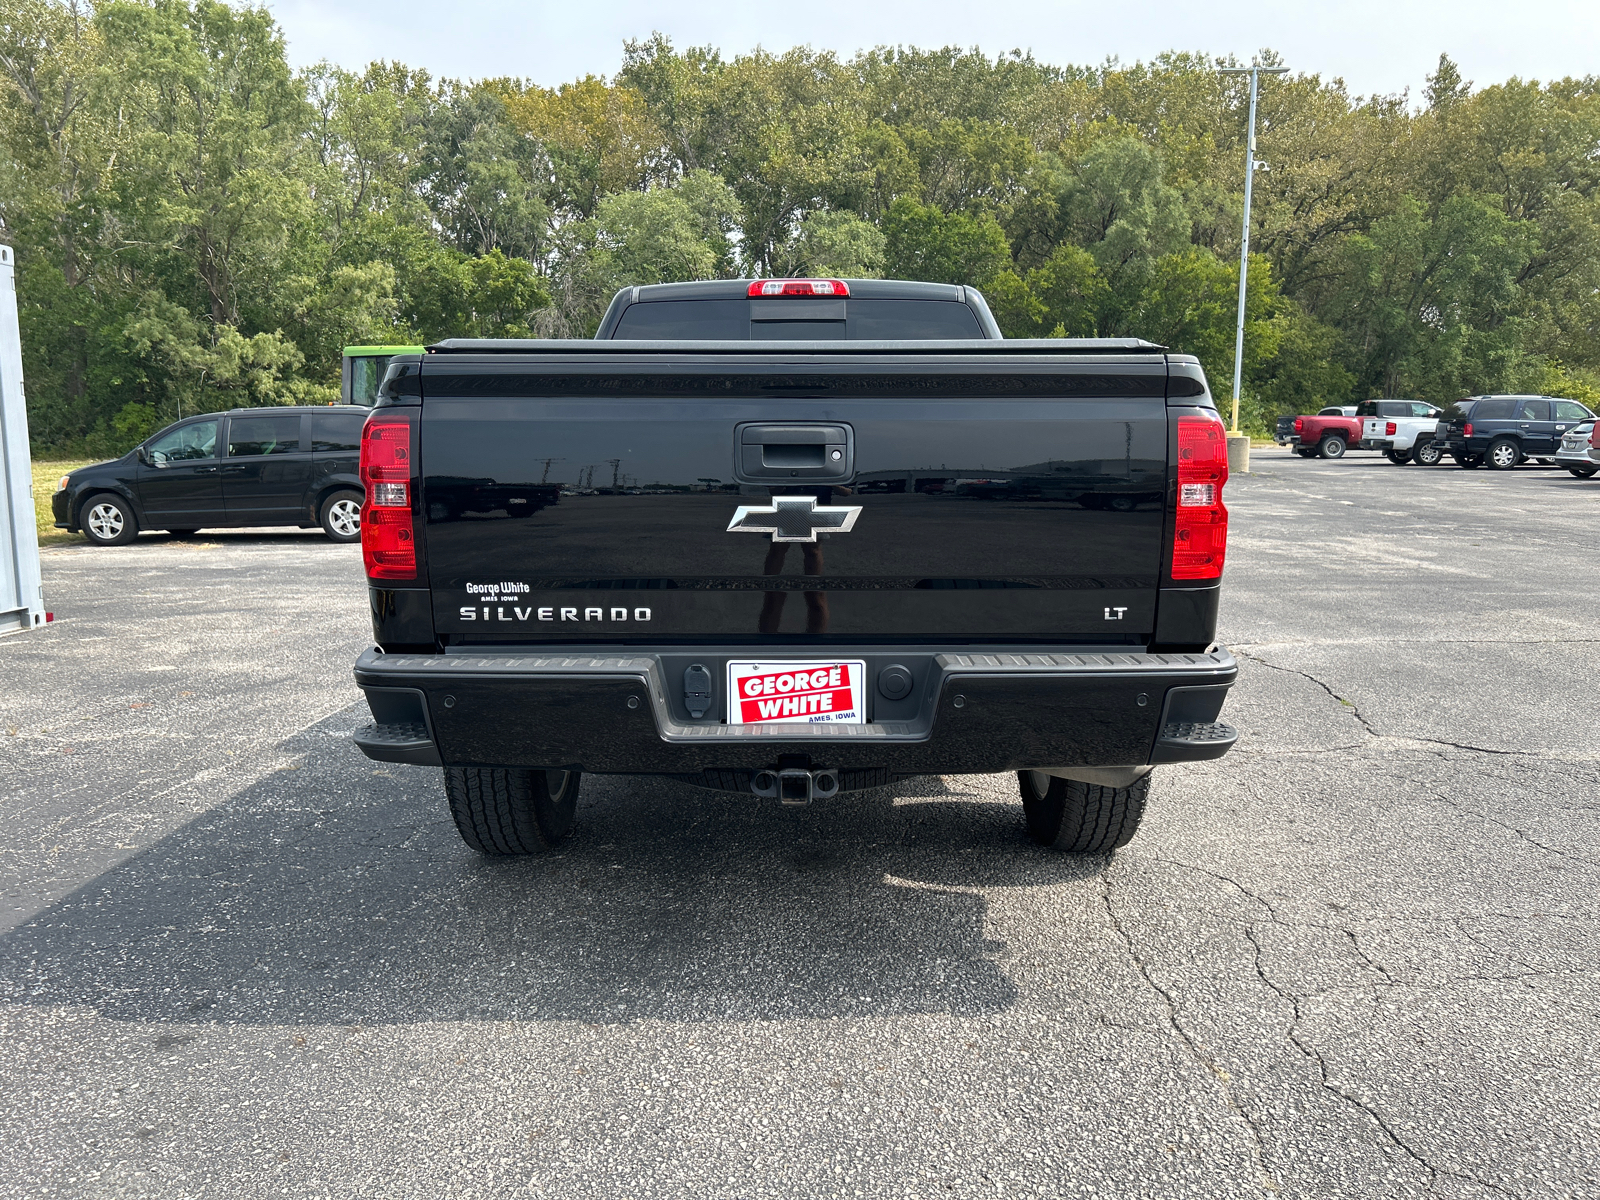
345	517
105	521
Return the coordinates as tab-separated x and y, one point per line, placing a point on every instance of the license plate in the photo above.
796	693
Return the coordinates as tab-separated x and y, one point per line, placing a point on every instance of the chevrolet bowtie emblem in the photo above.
793	519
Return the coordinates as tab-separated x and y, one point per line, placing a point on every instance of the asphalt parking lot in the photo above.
1357	957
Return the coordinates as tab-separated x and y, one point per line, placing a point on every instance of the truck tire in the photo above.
505	811
1398	457
1426	454
1503	454
108	520
341	516
1331	447
1081	818
1306	451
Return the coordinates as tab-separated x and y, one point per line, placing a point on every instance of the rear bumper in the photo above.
972	712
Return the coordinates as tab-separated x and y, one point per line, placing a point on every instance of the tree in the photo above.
924	243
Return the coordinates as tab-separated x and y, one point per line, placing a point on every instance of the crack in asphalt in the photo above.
1509	828
1267	1182
1293	1032
1350	704
1332	1087
1367	725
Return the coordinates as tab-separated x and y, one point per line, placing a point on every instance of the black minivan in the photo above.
1501	431
245	467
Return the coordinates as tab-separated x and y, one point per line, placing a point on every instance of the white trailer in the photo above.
21	591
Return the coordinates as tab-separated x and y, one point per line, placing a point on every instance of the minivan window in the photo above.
335	432
249	437
1493	410
1570	410
1534	410
198	440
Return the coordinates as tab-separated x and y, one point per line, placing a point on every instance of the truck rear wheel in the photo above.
504	811
1398	457
1081	818
1331	447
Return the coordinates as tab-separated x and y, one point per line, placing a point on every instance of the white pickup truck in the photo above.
1402	429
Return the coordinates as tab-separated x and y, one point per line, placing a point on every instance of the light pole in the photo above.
1254	70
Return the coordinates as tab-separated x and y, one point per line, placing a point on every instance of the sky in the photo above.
1376	46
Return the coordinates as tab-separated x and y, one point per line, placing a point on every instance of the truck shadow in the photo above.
339	893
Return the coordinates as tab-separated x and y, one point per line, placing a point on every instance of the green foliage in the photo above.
921	242
838	245
197	225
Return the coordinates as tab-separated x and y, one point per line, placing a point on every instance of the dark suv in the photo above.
1501	431
247	467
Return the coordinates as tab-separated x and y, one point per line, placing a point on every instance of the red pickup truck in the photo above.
1330	433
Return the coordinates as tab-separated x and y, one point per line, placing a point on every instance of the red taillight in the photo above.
1389	429
1200	533
826	288
1468	430
388	534
1298	422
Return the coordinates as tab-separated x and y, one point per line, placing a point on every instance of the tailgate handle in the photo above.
793	452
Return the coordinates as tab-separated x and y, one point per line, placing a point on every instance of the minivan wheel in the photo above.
1081	818
341	516
504	811
1503	454
1331	447
1426	454
107	520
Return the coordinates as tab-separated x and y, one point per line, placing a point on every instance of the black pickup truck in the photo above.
793	567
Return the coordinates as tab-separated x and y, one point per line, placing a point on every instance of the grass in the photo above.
46	473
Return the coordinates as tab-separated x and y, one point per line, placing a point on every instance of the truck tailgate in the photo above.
566	510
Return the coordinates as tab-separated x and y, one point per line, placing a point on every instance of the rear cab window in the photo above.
686	320
855	319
